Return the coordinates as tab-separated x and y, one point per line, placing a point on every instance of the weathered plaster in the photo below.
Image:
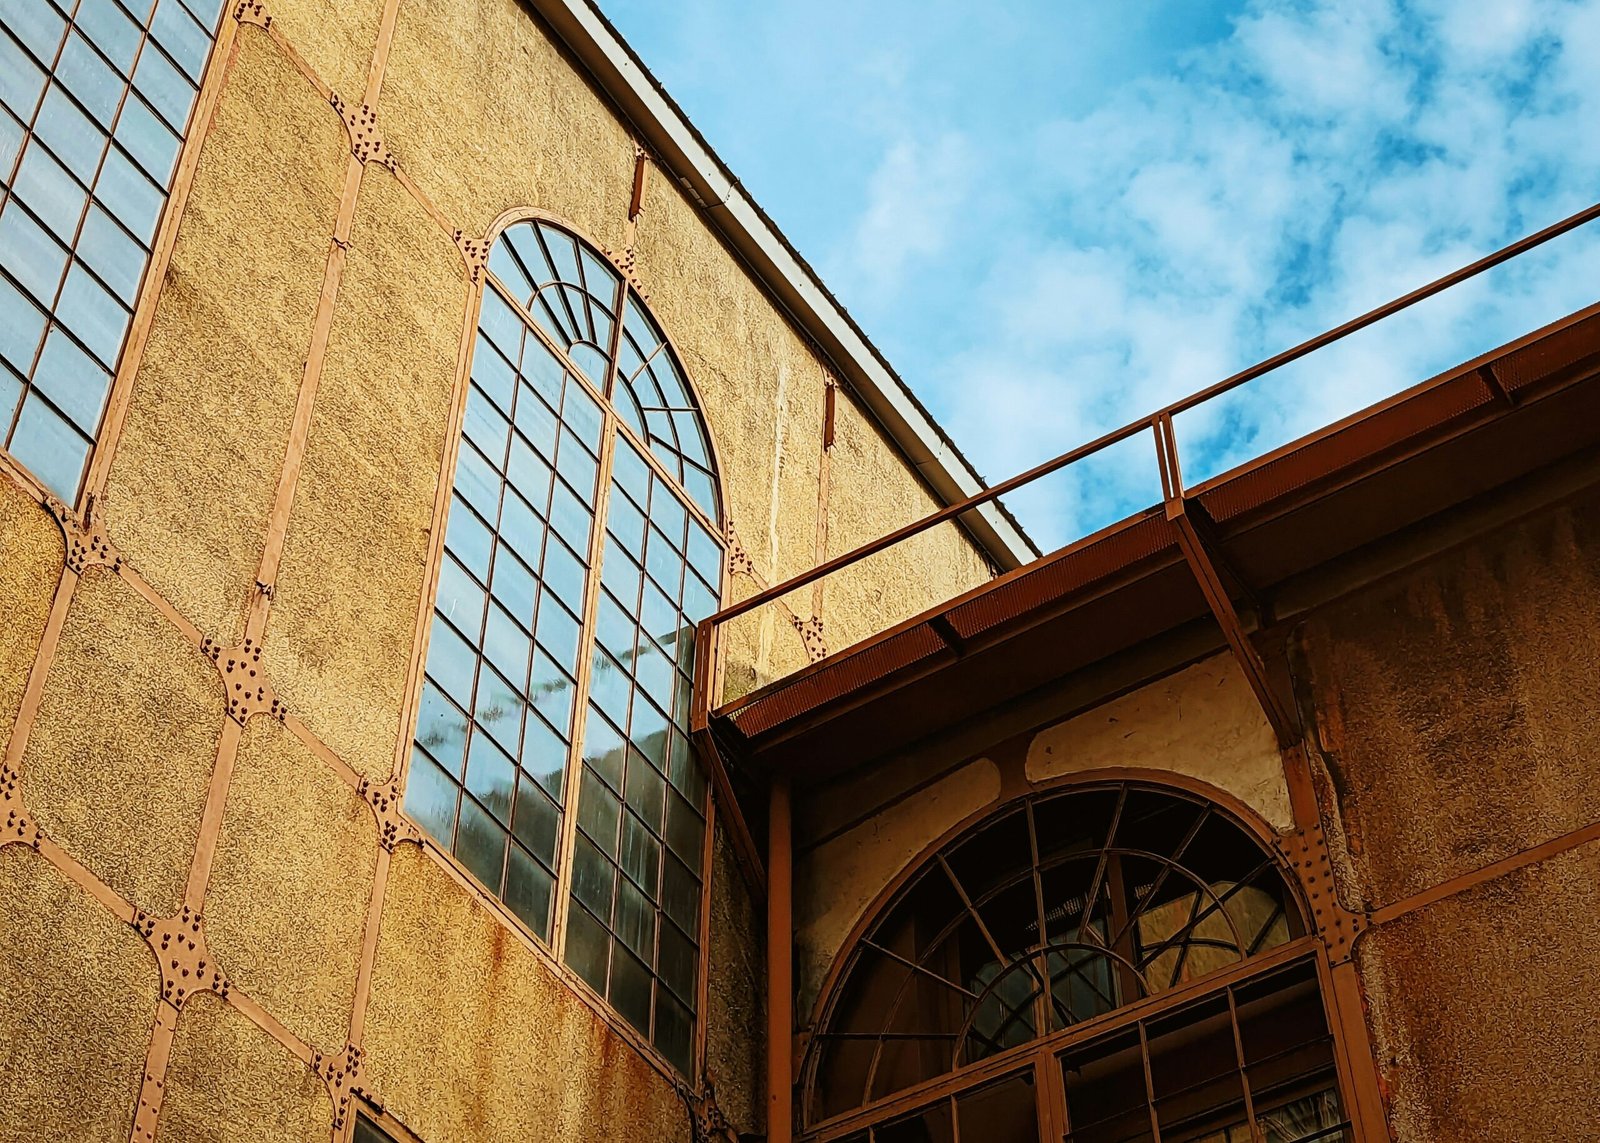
1202	722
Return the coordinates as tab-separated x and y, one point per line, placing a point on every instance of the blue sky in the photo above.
1054	216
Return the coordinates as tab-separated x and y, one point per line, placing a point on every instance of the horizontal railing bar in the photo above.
1322	340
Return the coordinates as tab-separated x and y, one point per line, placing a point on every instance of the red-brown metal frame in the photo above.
1158	424
1355	1086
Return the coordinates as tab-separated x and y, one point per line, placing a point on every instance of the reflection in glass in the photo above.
511	632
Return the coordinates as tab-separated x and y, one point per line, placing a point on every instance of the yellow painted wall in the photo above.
135	806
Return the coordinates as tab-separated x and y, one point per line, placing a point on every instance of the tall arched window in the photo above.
95	99
583	544
1109	963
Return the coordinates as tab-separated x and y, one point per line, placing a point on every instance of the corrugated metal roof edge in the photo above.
680	148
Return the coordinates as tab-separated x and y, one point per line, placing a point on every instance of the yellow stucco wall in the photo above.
261	840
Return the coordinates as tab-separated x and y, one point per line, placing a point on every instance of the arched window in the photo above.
95	99
582	546
1108	963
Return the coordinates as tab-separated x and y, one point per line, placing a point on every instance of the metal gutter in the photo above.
679	148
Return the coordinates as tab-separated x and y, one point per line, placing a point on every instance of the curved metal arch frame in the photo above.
549	949
509	218
1181	786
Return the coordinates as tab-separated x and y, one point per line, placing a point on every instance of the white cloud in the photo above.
1324	158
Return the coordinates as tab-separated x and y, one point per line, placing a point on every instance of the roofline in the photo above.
680	149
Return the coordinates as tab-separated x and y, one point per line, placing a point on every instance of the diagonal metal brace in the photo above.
1193	531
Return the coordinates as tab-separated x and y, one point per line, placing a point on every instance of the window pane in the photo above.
442	729
73	382
110	29
537	822
184	40
490	776
112	254
128	194
36	24
528	890
89	78
89	310
21	327
50	447
431	797
54	196
588	948
21	80
28	252
481	845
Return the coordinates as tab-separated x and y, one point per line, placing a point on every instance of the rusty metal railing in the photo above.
1158	423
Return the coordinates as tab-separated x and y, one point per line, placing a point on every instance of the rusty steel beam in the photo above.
780	965
1203	561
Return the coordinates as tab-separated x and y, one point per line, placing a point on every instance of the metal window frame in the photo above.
1039	1054
612	427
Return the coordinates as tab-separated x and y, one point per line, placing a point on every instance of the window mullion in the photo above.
573	779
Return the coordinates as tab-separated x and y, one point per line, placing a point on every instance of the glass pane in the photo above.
36	24
21	80
89	78
431	797
528	891
442	728
544	753
129	195
676	961
599	811
184	40
469	540
90	311
108	26
1106	1100
636	920
451	662
481	845
630	988
490	776
604	749
680	894
641	854
537	823
168	91
1002	1112
30	255
21	327
674	1030
70	134
53	195
112	253
49	447
588	947
593	877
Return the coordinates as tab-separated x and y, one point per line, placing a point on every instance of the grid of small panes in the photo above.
502	701
95	98
633	929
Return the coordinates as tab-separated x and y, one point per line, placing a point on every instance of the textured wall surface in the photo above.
351	580
469	1030
485	112
871	494
197	466
289	891
335	38
122	750
1483	1008
1202	722
77	997
31	556
229	1082
1488	750
473	1038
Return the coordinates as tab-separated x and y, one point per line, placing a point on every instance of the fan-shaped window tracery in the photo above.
1035	933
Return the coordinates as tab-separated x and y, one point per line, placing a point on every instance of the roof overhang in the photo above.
1269	523
675	144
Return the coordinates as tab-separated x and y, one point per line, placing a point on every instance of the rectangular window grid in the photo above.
634	922
95	100
496	720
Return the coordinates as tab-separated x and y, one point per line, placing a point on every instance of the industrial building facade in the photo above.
444	695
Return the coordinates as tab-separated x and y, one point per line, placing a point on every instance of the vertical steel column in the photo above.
780	966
